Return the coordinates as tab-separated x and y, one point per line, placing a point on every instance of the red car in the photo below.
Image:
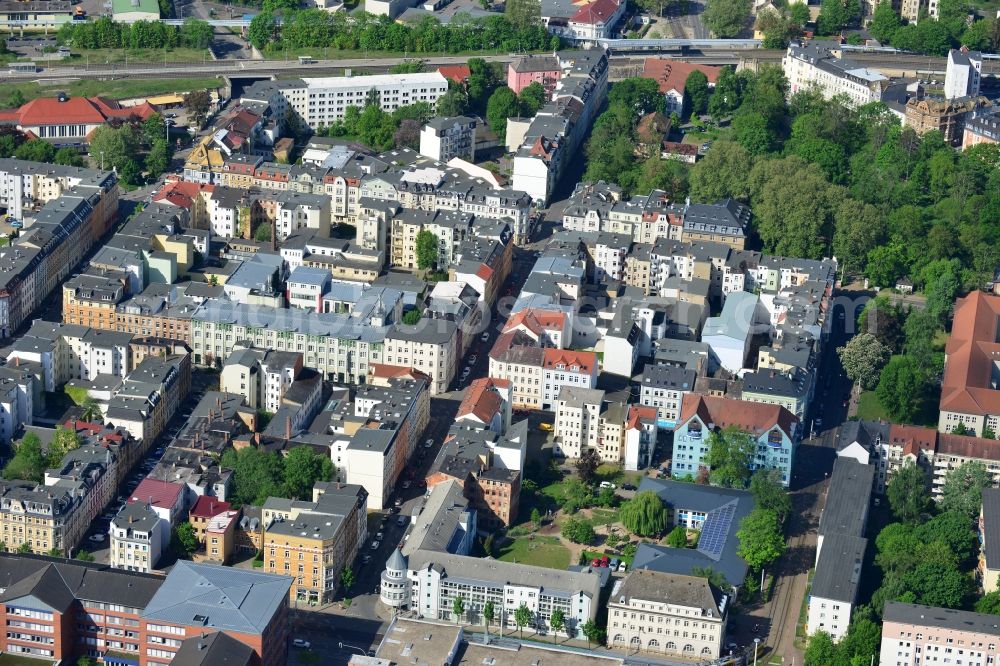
596	562
605	561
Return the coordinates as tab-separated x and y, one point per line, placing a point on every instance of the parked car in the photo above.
98	538
378	537
614	563
366	558
401	521
299	643
406	485
608	484
473	359
628	486
622	566
429	443
376	544
547	427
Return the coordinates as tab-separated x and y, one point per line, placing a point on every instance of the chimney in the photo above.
288	427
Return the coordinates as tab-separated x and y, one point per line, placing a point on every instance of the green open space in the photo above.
121	56
113	89
869	408
540	551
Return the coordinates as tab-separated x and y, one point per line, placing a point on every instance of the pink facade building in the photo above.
527	69
915	635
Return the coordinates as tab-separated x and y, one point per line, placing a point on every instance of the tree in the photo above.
36	151
411	317
885	23
645	514
489	612
728	94
427	249
503	104
963	489
907	493
453	103
587	464
902	388
677	537
263	232
261	29
941	294
863	358
578	531
24	547
16	99
112	147
28	462
257	475
197	103
722	172
760	538
885	264
187	540
885	321
857	228
768	493
799	14
989	603
954	530
85	661
832	17
730	453
196	34
557	621
158	159
637	96
793	214
523	13
458	608
697	92
522	617
408	134
536	517
488	545
84	556
68	157
303	469
347	578
726	18
592	632
821	650
532	98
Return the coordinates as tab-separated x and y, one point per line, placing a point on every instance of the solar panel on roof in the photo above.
715	530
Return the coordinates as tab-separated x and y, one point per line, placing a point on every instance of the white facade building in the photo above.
963	73
578	420
814	67
136	538
443	139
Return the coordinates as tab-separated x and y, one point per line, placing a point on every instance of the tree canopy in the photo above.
645	514
730	453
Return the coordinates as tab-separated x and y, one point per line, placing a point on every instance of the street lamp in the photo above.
364	653
756	643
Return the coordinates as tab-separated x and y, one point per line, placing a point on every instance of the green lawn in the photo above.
869	408
102	56
541	551
113	89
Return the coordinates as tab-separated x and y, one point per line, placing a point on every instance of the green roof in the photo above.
128	6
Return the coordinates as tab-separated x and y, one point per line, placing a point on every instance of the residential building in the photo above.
436	579
486	404
443	139
724	222
17	393
380	431
671	76
710	510
431	346
792	390
527	69
562	368
323	101
988	569
834	592
909	630
446	522
968	391
819	66
137	538
313	541
963	73
774	427
981	127
167	500
577	421
41	14
204	509
583	23
945	116
667	614
664	387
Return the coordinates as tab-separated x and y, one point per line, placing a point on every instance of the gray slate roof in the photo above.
839	568
847	499
941	618
222	598
991	527
691	591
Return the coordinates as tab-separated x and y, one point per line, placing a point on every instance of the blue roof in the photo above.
223	598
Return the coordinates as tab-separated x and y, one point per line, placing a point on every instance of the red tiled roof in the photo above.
391	371
112	109
536	321
49	110
181	193
158	493
637	413
457	73
680	148
672	74
481	400
484	272
912	438
597	12
208	507
585	361
971	352
755	417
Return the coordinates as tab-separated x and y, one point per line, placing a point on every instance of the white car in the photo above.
473	359
608	484
299	643
98	538
485	336
429	443
376	544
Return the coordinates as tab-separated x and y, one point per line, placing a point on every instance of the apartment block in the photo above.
820	65
667	614
578	420
137	538
664	387
775	429
988	569
313	541
911	632
431	346
443	139
968	393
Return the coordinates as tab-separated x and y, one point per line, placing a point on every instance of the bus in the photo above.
23	68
